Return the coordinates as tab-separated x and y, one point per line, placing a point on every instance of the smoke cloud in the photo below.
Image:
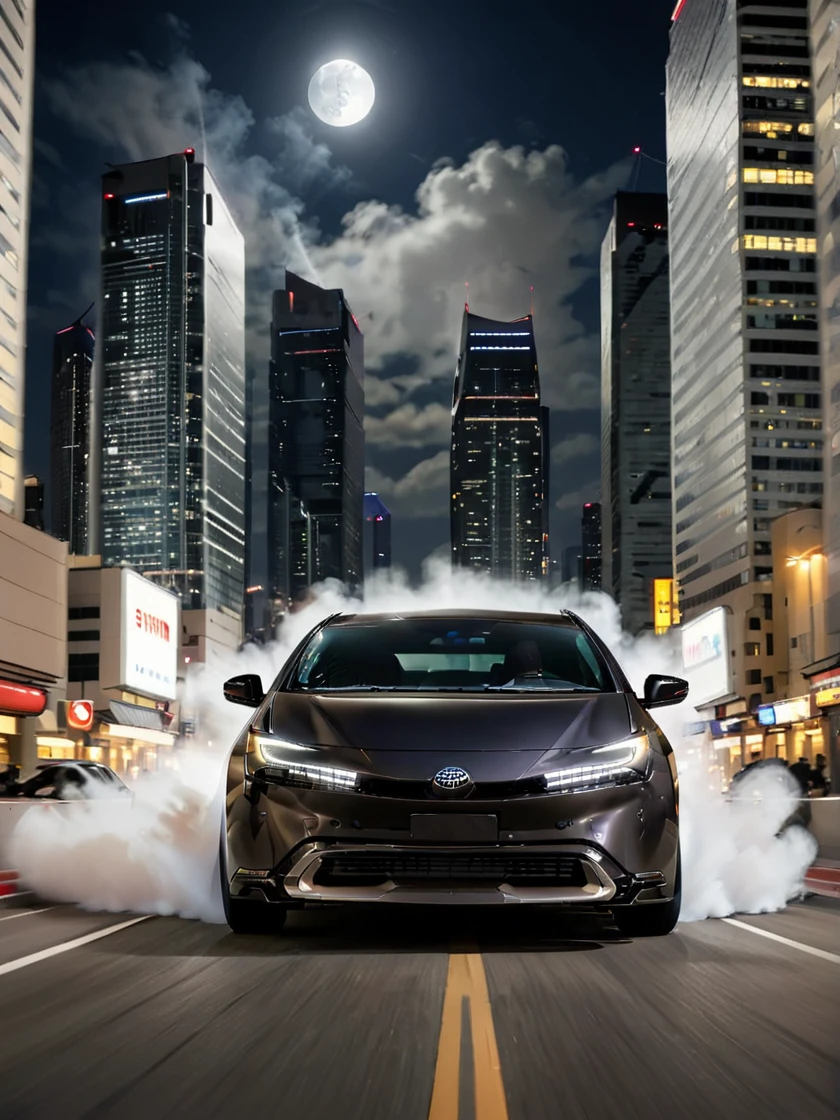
161	856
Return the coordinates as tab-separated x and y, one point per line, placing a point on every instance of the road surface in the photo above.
408	1013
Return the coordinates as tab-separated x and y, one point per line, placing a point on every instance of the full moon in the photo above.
341	93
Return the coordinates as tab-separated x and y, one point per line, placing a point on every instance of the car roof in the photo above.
45	762
560	618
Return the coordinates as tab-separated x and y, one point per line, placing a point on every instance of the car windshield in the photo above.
451	655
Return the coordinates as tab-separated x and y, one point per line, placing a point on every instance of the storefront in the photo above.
793	729
825	690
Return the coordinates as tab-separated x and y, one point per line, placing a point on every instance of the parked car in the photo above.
69	780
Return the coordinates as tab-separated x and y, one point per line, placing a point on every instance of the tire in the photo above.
246	915
652	919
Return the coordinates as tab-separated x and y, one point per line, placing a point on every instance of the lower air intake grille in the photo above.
355	869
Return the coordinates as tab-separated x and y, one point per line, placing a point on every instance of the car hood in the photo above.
445	729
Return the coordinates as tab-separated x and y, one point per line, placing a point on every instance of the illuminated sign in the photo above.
21	699
79	715
149	645
826	697
785	711
663	605
705	656
140	635
146	197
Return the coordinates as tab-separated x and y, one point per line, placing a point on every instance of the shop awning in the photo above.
135	715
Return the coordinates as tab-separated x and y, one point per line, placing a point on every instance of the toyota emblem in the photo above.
452	781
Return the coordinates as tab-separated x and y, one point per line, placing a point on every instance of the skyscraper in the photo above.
571	564
17	43
825	35
377	534
590	559
747	421
316	450
171	361
499	465
635	406
73	438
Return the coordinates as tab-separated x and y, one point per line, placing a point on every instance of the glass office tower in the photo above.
499	463
72	438
636	406
171	359
377	534
746	400
316	451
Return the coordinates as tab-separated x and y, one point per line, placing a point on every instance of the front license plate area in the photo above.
469	828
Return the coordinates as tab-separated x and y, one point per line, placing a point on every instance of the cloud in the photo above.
575	499
575	447
505	219
410	426
422	492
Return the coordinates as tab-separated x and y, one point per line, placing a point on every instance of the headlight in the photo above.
282	761
614	764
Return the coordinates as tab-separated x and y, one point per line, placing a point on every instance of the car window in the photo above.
463	654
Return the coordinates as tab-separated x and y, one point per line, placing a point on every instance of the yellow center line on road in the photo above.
466	979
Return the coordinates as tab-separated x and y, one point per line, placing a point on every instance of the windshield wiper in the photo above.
546	684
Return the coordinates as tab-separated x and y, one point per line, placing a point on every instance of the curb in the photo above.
8	883
823	880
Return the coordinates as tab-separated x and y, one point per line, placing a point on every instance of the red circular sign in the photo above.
80	715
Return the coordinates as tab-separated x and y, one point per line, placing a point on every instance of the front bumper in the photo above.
613	846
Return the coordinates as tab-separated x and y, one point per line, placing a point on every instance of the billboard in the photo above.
706	659
78	715
140	635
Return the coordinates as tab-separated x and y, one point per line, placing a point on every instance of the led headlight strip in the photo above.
273	754
615	762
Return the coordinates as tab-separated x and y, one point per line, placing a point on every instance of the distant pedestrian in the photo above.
801	770
819	782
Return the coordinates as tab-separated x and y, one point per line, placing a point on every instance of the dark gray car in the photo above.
453	757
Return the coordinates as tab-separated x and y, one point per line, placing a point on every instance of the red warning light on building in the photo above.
80	715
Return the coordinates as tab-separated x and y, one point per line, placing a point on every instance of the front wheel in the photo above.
247	915
652	919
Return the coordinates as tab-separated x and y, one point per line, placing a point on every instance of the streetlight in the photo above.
804	564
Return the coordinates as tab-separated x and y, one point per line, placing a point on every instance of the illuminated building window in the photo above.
762	81
780	244
785	176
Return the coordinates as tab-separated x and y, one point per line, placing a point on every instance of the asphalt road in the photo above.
389	1013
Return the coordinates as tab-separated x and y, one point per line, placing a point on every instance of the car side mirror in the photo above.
246	690
660	691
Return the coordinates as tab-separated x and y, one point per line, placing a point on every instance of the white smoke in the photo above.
161	854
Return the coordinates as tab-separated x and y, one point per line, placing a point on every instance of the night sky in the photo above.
514	122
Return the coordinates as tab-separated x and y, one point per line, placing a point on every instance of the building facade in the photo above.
377	535
636	406
591	547
171	364
72	438
17	68
499	462
825	37
33	566
316	449
746	398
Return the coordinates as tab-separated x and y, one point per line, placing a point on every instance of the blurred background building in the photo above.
316	449
590	557
636	407
377	535
73	438
499	459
